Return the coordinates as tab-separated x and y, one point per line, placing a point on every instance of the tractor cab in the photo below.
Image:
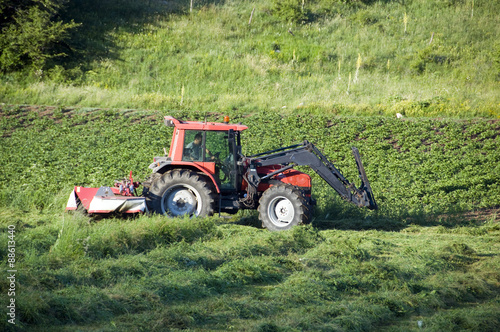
208	147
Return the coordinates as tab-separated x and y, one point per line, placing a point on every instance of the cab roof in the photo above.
170	121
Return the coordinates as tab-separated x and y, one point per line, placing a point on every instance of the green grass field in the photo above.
329	71
430	254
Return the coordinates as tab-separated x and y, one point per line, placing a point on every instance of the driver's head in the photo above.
197	139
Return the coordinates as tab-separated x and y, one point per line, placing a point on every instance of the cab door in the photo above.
220	150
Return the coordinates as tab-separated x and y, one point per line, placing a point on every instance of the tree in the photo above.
29	30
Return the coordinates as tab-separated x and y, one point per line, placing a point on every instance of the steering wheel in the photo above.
218	163
215	157
226	167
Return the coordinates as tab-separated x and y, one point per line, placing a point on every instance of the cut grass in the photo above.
239	277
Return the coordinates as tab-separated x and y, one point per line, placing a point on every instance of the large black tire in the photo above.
181	192
282	207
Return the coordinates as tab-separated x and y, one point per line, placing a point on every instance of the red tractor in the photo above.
205	172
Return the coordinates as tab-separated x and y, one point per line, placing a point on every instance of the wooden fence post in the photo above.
251	15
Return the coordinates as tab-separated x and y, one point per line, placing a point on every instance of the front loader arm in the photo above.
306	154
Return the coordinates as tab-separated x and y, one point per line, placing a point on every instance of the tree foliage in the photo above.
30	30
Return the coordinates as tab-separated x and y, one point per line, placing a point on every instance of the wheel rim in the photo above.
181	200
281	211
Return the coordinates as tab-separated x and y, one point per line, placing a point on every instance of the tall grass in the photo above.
223	63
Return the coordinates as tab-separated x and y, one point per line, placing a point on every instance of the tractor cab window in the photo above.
193	146
212	146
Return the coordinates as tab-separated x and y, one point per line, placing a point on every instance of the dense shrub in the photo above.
30	31
290	10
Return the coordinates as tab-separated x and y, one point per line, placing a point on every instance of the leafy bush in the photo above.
365	17
30	34
290	10
426	57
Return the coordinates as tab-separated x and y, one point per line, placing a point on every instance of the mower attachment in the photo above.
105	200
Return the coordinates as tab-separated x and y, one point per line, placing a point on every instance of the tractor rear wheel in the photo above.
283	206
181	192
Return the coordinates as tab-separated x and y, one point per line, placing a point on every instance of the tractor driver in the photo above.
194	149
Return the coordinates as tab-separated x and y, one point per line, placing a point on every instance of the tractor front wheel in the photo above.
283	206
181	192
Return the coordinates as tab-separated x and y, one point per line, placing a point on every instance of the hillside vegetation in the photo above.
414	57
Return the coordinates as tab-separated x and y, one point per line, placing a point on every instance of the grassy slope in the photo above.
151	55
429	254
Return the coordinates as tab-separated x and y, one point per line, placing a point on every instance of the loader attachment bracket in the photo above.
365	184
